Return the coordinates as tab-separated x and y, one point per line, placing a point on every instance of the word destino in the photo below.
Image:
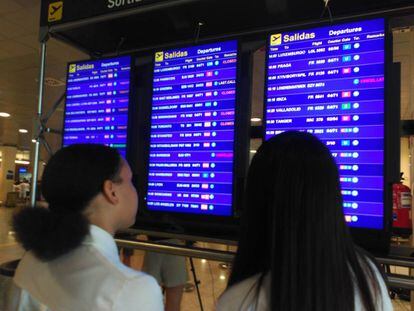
118	3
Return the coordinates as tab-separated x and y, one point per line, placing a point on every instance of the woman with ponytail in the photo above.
72	261
295	251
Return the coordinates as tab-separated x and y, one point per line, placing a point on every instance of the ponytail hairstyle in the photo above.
72	178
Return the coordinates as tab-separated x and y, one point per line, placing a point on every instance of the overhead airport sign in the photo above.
58	12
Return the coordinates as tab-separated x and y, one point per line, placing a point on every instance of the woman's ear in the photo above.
109	192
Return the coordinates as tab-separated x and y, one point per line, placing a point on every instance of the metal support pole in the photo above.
196	283
46	145
53	109
39	116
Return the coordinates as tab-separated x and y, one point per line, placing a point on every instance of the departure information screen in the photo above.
192	130
329	81
97	98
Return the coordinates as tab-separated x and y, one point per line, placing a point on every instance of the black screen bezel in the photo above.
374	240
210	225
130	97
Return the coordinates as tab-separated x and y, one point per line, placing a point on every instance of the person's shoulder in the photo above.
140	279
140	290
375	269
383	301
24	268
135	275
378	285
132	288
239	295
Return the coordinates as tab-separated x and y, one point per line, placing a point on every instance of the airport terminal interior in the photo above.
66	61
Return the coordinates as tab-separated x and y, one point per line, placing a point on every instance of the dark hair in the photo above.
71	179
294	225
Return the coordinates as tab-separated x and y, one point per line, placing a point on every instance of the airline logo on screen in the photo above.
72	68
159	56
276	39
55	11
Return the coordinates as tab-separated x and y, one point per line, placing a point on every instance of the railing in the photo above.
189	250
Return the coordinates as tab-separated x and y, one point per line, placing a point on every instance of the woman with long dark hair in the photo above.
72	261
295	251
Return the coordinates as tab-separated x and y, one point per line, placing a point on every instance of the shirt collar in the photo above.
103	242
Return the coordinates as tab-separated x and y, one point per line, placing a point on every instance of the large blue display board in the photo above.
192	130
329	81
97	99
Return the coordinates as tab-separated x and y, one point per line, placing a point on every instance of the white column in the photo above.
405	159
7	171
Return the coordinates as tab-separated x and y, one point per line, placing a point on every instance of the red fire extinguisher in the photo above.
401	207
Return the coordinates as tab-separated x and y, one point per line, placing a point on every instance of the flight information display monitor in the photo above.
192	130
329	81
97	100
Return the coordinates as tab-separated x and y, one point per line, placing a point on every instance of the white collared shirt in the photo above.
242	295
90	278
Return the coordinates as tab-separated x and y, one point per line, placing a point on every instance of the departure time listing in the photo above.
192	130
329	81
97	99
